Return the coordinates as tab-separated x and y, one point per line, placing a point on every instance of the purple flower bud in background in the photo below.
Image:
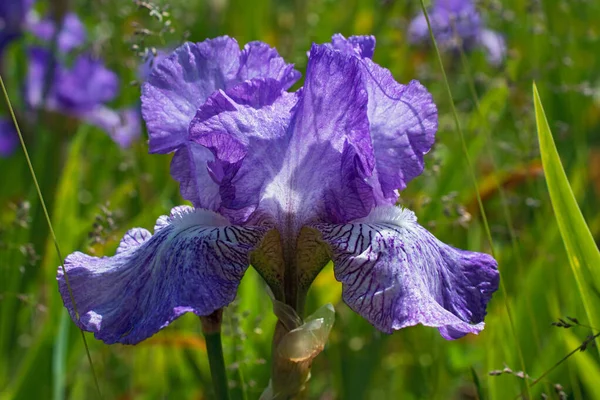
81	91
13	15
458	23
71	36
265	167
8	137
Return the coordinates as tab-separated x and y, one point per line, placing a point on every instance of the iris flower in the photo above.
457	23
80	90
12	20
286	181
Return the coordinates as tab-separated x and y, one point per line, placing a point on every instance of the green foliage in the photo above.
95	192
582	252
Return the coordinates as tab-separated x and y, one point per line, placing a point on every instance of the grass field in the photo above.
95	191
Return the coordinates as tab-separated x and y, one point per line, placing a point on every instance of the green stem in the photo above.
214	349
211	327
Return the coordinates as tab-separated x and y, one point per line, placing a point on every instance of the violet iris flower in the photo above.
287	181
12	20
8	137
457	23
80	91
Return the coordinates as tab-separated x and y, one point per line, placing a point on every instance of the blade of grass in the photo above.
58	358
474	180
584	256
43	204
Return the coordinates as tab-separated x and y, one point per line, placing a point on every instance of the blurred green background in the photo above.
96	192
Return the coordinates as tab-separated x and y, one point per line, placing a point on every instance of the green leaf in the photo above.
582	252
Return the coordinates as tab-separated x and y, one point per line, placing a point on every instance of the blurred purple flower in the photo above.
253	158
8	137
80	91
455	23
71	36
13	15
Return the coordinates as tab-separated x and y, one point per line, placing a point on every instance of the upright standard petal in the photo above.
362	46
290	154
182	82
193	263
246	129
396	274
330	117
402	121
8	137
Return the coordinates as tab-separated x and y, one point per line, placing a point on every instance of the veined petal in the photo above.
290	154
330	117
193	263
8	137
246	128
402	123
396	274
259	60
182	82
363	46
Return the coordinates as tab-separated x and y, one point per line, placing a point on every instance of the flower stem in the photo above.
214	348
211	327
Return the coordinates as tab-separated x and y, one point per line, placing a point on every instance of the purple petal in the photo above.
259	60
193	263
8	137
285	152
246	128
85	85
123	126
396	274
150	62
39	60
494	45
418	30
190	167
330	116
12	17
72	34
403	123
183	81
363	46
448	18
